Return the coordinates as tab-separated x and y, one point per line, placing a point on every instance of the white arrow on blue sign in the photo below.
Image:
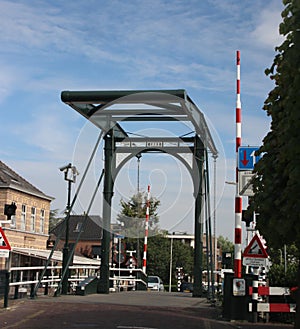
247	157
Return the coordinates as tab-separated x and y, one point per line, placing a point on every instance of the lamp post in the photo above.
70	173
139	155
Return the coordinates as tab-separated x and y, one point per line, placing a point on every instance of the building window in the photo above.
96	251
42	221
78	227
23	217
32	222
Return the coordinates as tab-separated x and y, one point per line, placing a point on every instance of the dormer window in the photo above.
78	227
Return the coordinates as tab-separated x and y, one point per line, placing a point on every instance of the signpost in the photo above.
4	252
4	245
247	157
245	183
255	254
239	287
256	262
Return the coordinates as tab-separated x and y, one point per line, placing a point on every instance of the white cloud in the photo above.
266	32
47	134
8	78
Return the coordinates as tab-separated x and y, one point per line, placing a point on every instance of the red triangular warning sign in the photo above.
255	249
4	244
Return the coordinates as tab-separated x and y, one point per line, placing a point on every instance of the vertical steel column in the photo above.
209	247
198	194
109	167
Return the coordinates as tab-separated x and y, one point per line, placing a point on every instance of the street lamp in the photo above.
70	173
139	155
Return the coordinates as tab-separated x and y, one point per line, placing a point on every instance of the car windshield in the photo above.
152	279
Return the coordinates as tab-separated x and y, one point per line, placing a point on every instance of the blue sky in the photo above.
50	46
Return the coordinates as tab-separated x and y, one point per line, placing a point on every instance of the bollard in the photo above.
46	288
254	298
6	290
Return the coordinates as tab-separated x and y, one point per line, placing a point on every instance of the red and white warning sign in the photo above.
255	248
4	244
255	253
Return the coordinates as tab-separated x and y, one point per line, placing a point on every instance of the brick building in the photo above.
90	229
29	227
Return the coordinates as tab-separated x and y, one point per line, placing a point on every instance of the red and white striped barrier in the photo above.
238	198
273	307
146	231
270	307
270	291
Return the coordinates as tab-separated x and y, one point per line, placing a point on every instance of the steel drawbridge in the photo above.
112	112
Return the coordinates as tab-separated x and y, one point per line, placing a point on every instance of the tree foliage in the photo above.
225	244
54	219
133	214
283	271
159	253
276	186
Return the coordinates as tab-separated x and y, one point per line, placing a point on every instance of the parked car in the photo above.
186	287
155	283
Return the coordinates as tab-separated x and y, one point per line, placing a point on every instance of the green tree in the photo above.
225	244
158	257
133	214
283	271
159	253
278	276
183	256
276	186
54	219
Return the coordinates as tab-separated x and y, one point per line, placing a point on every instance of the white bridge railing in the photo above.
23	279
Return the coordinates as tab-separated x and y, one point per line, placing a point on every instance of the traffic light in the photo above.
50	244
246	217
10	210
227	259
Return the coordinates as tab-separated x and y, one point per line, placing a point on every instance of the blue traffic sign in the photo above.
247	157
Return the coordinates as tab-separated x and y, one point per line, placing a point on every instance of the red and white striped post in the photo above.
238	198
146	230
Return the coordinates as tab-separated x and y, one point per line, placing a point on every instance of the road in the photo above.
125	310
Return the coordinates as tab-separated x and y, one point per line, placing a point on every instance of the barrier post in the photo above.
254	297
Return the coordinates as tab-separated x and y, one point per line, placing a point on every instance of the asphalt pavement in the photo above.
122	310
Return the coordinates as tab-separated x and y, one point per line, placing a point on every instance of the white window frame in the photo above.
32	217
42	221
78	227
23	217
